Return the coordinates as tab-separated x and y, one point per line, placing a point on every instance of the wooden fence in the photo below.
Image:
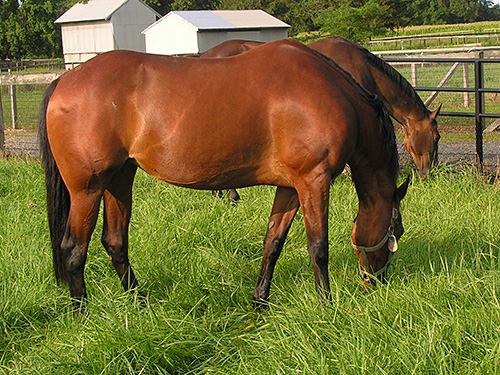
23	65
458	38
12	81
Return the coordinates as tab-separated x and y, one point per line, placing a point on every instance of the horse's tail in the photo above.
58	201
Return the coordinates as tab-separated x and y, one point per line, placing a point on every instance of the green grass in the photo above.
463	34
197	258
477	27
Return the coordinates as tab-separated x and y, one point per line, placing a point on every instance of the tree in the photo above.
356	24
195	4
27	26
8	8
28	30
41	37
161	6
395	13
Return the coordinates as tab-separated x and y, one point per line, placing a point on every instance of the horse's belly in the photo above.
211	170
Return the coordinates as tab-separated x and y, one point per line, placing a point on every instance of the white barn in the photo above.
104	25
193	32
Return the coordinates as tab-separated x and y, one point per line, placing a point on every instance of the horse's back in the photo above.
231	48
350	57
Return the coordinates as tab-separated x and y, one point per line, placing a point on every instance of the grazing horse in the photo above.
280	115
375	75
400	98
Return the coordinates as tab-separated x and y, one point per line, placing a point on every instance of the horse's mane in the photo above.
393	75
386	126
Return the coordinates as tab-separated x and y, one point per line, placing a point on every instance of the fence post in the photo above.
479	80
466	84
414	78
13	105
2	131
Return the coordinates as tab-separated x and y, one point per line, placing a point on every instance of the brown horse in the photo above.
402	101
374	74
280	115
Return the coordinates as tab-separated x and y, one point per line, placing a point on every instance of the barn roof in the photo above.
93	10
227	19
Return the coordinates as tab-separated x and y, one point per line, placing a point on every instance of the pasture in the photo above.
197	258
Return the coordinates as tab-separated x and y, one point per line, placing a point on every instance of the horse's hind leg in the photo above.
81	223
286	204
233	195
117	211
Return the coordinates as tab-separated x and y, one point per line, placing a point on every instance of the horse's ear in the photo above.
435	114
403	188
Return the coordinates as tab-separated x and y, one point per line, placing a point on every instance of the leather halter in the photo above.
389	238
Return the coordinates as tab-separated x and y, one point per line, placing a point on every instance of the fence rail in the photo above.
459	37
22	65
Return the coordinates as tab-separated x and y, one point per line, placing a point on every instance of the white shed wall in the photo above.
82	41
270	35
173	37
128	23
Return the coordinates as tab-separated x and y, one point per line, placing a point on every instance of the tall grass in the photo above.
197	258
476	27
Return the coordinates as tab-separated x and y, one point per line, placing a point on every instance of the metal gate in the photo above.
479	90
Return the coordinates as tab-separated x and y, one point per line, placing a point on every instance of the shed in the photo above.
104	25
193	32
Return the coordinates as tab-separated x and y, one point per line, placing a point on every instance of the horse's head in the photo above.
374	261
421	141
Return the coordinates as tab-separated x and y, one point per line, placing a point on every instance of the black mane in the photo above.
394	76
386	125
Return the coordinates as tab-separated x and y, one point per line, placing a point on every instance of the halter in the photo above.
389	238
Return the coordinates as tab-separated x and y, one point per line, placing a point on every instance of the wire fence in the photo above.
27	103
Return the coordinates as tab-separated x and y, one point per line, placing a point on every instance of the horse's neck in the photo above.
401	105
375	209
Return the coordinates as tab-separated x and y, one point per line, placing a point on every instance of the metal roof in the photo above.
227	19
204	19
250	18
93	10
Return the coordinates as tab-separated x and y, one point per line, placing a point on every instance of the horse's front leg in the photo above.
286	204
314	199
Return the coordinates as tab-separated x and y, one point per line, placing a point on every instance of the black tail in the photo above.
58	202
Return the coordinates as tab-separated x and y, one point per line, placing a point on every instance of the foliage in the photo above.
29	30
161	6
431	12
356	24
